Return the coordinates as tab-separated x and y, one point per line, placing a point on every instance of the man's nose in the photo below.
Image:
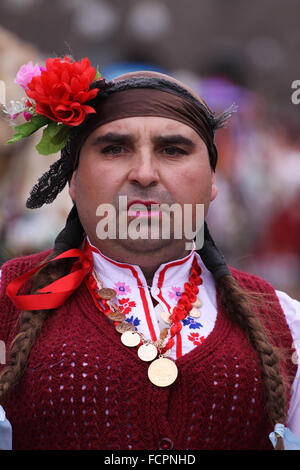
144	169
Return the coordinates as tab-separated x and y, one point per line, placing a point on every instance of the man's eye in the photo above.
174	151
113	149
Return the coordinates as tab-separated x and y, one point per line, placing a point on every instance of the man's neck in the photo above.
148	260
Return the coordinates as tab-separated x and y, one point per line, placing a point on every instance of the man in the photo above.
138	343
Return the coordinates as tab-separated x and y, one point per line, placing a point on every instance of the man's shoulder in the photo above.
10	270
16	266
251	281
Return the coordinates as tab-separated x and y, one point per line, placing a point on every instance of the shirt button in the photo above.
165	444
155	290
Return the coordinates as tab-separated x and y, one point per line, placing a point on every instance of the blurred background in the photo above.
230	51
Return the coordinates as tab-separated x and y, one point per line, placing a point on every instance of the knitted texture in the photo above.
82	389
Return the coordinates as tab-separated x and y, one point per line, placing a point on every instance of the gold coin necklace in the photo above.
162	370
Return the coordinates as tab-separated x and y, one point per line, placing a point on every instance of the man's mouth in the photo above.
140	208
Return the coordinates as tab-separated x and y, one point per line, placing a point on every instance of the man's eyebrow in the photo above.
112	137
175	139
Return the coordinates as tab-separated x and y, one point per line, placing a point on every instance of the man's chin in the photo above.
145	246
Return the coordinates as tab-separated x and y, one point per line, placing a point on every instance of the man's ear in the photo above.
72	185
214	189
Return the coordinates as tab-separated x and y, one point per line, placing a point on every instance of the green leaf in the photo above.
62	135
53	128
98	74
28	128
54	138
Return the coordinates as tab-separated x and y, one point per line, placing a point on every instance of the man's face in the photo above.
143	158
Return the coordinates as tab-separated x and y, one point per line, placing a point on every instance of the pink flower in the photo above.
26	74
27	115
175	294
121	288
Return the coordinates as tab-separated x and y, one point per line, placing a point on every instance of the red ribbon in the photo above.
56	293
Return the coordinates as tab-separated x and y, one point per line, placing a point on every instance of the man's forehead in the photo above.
140	125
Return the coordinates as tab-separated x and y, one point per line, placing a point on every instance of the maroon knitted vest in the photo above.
82	389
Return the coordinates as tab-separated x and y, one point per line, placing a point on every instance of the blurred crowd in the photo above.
22	230
255	219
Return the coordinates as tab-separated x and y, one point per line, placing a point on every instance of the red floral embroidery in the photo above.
196	339
125	305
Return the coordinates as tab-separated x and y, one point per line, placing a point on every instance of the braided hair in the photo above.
238	303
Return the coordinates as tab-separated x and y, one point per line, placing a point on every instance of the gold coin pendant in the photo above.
116	316
124	326
130	339
165	316
106	293
194	312
198	303
162	372
147	352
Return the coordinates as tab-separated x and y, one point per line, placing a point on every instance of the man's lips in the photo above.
141	204
137	208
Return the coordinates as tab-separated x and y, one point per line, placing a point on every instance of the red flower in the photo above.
196	339
125	305
61	90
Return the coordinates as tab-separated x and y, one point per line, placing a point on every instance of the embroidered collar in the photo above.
165	274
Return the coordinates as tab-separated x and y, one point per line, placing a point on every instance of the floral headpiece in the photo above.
56	97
